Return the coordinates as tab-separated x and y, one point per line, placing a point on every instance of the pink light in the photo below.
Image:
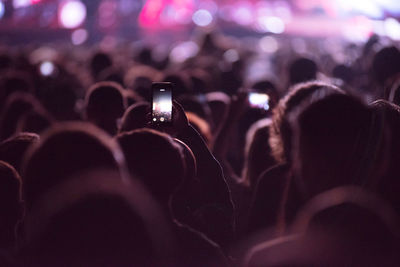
151	11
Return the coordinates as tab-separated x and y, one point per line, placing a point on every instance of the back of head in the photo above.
13	81
181	83
386	64
155	158
343	72
17	105
335	143
302	70
96	219
357	217
135	117
34	121
105	103
346	226
280	130
63	150
99	62
13	149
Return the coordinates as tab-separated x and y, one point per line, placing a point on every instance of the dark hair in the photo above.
302	70
105	103
155	158
135	117
280	130
386	63
337	141
63	150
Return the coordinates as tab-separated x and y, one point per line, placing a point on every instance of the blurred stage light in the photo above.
369	8
21	3
47	68
269	44
209	5
79	36
72	14
2	10
202	18
392	28
242	14
184	51
272	24
231	55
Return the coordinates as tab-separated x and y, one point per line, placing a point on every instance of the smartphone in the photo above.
161	103
259	100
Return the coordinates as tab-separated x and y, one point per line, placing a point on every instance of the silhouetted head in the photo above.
34	121
139	79
10	204
363	225
63	150
280	130
336	143
135	117
16	106
105	104
95	219
111	74
302	70
181	83
99	62
343	72
386	64
155	158
14	81
345	226
12	150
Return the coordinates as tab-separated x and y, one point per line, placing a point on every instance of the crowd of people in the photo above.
310	179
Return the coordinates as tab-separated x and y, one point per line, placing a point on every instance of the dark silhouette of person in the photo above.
302	70
135	117
99	62
16	106
345	226
105	104
63	150
275	184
